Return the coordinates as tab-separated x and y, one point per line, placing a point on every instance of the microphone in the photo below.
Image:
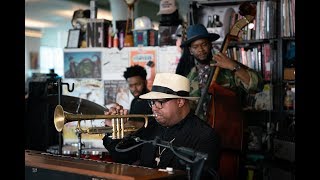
126	144
130	141
153	142
178	151
137	139
192	153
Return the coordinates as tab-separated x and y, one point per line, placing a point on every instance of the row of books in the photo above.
264	22
259	58
288	18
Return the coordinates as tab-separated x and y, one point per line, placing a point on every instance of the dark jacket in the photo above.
140	106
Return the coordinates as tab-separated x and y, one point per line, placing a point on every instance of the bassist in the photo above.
233	75
219	82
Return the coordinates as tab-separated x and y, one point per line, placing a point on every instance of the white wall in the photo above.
55	37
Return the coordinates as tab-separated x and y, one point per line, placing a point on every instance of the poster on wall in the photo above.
147	58
82	64
168	59
219	20
117	91
114	63
89	89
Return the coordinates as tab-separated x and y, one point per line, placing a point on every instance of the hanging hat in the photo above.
198	31
142	23
167	7
169	85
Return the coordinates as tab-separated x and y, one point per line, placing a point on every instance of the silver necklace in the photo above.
157	159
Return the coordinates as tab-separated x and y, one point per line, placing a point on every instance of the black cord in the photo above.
131	147
214	174
127	149
188	171
180	156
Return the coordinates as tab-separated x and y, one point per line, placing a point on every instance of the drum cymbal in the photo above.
76	105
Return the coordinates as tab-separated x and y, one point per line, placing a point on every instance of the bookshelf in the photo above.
269	48
283	149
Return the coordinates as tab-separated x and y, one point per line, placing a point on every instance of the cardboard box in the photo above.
145	37
97	32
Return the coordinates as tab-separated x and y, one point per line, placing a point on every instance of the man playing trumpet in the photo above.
174	122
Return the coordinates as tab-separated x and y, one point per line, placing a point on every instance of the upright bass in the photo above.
224	110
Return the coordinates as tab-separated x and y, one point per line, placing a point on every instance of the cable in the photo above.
132	147
214	174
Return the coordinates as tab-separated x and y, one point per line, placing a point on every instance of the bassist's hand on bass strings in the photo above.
222	61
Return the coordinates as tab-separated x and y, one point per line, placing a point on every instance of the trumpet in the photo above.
118	129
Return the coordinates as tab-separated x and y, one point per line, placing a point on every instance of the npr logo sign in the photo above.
97	32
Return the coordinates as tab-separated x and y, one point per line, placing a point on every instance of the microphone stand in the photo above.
59	103
59	83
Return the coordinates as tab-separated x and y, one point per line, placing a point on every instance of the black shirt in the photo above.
140	106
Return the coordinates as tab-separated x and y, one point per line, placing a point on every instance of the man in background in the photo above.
136	77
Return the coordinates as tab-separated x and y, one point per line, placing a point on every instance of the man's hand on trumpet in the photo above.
116	109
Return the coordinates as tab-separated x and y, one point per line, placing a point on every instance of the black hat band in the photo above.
169	91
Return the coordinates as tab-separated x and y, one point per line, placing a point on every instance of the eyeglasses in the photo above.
158	103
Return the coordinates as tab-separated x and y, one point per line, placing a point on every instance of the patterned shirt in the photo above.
198	77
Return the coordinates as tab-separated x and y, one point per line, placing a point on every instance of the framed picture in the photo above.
73	38
34	60
80	63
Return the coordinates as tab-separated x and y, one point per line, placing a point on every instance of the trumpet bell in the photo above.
59	118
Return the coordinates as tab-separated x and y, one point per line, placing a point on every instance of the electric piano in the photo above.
42	165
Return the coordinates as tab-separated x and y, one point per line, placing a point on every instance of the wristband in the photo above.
236	68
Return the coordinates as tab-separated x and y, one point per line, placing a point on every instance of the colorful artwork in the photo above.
117	91
147	58
82	64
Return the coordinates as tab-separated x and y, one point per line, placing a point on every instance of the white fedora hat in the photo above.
169	85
